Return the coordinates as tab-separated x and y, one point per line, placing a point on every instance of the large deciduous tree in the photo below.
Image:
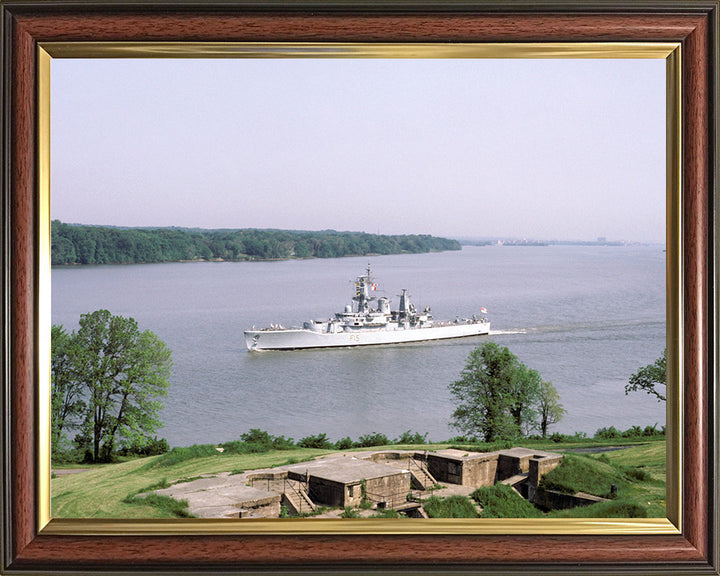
496	394
123	373
650	378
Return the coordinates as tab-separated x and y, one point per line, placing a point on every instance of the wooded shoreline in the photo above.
85	245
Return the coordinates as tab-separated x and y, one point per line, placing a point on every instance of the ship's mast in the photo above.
363	287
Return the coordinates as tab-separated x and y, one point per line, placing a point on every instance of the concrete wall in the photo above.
512	465
538	467
264	507
327	492
509	466
391	489
554	500
480	472
475	472
445	469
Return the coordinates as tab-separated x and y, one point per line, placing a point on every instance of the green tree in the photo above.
66	392
650	378
496	395
550	411
523	394
124	372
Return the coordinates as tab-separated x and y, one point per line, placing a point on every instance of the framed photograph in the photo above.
344	40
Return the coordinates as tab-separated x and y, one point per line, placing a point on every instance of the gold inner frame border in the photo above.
669	51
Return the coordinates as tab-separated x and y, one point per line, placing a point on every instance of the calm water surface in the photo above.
585	317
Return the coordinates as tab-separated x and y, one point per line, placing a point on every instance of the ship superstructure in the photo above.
365	323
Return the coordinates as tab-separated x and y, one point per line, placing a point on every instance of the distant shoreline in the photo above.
81	245
224	260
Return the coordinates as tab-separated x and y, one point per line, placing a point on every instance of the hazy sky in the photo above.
552	149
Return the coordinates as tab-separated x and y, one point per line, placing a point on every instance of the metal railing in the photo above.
302	495
426	473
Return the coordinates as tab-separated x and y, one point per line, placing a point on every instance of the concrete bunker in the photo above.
378	480
343	481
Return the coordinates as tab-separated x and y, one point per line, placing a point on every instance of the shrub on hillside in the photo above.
151	447
608	433
409	437
344	443
316	441
633	432
374	439
612	433
262	441
501	501
450	507
349	513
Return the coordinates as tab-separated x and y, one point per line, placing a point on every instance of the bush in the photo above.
151	447
70	456
374	439
344	444
463	439
607	433
261	441
317	441
258	441
282	443
501	501
409	437
349	513
636	473
653	431
450	507
633	432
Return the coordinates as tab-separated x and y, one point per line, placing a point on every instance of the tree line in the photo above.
77	244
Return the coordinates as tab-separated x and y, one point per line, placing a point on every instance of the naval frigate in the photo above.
363	323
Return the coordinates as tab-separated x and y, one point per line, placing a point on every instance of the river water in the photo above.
585	317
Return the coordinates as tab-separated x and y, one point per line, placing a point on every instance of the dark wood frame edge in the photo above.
693	23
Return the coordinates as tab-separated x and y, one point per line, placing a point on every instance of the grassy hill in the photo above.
101	491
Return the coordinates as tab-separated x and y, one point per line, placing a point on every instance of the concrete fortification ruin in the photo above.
379	480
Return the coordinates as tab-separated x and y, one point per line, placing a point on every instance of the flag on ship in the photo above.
483	310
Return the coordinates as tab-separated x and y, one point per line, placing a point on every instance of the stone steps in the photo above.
420	475
296	498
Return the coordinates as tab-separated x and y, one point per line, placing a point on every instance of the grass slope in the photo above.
99	492
501	501
638	472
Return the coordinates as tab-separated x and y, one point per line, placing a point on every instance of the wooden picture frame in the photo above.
31	544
